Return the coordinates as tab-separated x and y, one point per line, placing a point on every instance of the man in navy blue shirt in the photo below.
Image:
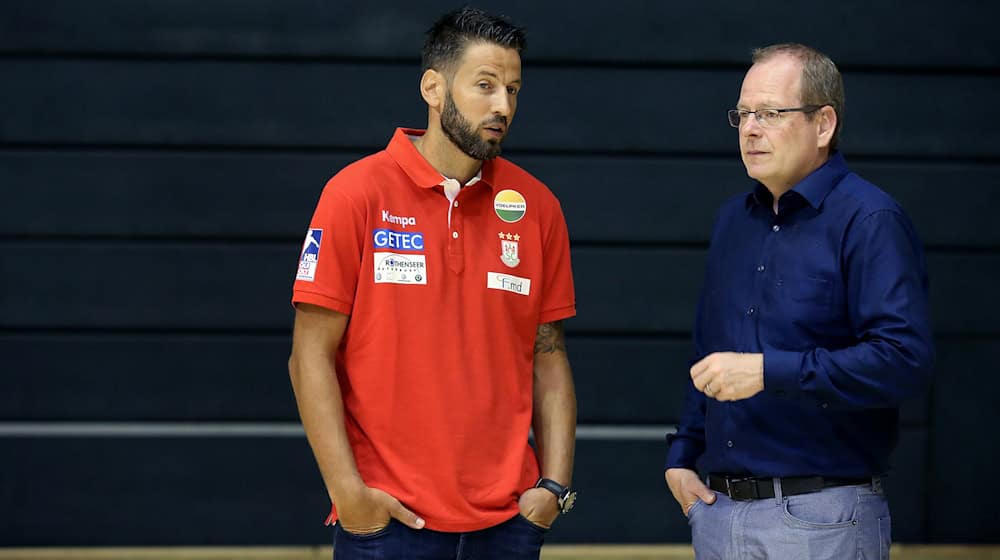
811	328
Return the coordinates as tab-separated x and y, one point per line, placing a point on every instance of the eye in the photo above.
512	90
484	85
743	113
769	115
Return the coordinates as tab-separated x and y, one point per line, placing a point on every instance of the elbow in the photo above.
918	369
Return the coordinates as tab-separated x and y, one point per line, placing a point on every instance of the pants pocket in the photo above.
365	536
525	521
830	509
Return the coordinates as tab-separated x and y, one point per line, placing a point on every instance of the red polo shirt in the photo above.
446	288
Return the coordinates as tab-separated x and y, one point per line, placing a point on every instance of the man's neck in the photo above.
445	157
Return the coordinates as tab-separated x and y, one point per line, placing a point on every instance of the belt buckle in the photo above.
734	492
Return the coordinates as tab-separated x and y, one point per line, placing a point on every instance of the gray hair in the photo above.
822	83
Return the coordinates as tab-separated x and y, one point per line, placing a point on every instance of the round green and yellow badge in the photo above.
509	206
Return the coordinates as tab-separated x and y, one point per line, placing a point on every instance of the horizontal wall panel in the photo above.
248	286
641	32
213	378
160	491
124	193
122	285
129	377
215	491
357	105
964	451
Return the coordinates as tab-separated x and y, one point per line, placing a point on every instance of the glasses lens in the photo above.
734	118
768	117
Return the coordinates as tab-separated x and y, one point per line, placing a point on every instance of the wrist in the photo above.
565	497
346	488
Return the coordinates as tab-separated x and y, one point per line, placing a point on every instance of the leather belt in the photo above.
756	488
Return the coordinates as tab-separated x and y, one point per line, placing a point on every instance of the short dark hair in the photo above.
822	83
449	36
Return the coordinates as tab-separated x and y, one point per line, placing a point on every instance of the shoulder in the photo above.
871	214
863	198
357	177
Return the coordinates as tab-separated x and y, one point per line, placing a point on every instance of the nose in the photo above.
750	126
502	104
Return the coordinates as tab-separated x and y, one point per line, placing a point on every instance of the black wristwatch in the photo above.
566	497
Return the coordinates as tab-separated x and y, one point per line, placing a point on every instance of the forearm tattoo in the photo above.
550	338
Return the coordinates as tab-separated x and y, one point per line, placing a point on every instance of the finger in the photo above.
698	488
699	367
399	512
706	383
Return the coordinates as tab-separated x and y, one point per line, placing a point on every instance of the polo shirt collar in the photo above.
814	188
420	171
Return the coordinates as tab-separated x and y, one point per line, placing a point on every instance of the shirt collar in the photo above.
814	188
420	171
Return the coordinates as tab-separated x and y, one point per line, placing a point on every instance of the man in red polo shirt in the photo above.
430	294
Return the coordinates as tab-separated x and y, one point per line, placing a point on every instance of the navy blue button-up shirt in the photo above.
833	291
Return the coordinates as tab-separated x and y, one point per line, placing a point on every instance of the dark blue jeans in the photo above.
515	539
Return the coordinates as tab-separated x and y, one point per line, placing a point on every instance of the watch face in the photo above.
568	502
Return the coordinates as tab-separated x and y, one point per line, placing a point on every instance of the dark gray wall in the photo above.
159	162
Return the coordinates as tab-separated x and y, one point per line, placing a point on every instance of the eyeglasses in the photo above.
769	118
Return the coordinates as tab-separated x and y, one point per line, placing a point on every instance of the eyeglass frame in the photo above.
806	109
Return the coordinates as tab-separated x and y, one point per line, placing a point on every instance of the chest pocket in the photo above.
811	289
807	296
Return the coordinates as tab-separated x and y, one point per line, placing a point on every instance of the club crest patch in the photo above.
508	248
309	258
509	205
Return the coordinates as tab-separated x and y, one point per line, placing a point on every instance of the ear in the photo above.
826	124
432	88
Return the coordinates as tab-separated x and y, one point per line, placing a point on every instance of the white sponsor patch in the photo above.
508	283
309	257
393	268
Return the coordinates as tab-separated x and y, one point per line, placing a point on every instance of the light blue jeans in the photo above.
837	523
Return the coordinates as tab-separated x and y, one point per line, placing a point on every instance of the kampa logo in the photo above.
398	220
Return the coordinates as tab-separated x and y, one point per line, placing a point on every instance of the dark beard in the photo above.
461	132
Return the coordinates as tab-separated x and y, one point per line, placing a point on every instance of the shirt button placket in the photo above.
456	251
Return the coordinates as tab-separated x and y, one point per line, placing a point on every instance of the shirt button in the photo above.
456	204
775	228
454	235
729	443
760	268
751	311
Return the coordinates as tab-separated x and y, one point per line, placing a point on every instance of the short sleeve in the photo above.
330	257
558	297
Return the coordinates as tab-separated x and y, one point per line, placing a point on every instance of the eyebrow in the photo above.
765	105
494	76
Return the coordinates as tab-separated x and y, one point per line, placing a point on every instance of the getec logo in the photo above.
406	240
